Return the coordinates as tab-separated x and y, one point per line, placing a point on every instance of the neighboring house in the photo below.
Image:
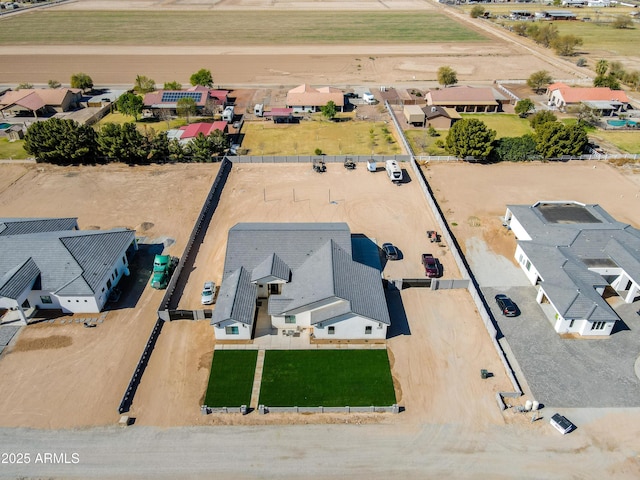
440	117
167	100
188	132
305	276
467	99
602	99
47	263
40	101
575	253
280	115
557	15
414	115
305	98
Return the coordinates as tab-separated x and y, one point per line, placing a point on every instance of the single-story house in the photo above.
574	253
440	117
467	99
40	101
187	133
414	115
167	100
48	263
305	276
280	115
562	96
305	98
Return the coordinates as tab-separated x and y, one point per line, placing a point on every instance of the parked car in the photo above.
208	292
506	305
390	251
430	264
562	424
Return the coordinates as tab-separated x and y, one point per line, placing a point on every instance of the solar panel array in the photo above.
175	96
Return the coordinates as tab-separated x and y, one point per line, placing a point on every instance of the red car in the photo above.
430	264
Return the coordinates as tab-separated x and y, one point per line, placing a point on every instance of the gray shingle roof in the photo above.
272	266
563	248
71	262
18	279
22	226
236	299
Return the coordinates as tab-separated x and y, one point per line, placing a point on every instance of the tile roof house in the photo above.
48	263
307	274
188	132
561	96
167	100
305	98
573	253
467	99
440	117
39	101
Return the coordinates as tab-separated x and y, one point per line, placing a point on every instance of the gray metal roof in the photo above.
248	244
565	245
71	262
236	299
327	277
22	226
18	279
272	266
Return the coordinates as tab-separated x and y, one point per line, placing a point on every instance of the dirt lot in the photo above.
65	375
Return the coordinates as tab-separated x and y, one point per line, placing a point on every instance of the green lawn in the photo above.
629	141
505	124
52	27
14	150
142	124
329	378
343	138
231	378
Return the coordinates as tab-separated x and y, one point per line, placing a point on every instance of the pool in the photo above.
622	123
4	126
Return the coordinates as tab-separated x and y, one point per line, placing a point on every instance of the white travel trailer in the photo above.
394	171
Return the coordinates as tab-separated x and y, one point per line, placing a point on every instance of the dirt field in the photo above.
66	376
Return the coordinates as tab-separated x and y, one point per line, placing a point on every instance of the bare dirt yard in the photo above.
64	375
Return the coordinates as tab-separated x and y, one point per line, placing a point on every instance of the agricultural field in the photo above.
333	138
231	378
331	378
247	28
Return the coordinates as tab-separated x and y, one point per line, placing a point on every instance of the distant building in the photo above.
188	132
602	99
167	100
575	253
40	101
305	98
467	99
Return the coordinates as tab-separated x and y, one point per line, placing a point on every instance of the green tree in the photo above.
186	107
477	11
606	81
200	149
62	142
172	85
470	137
53	84
587	115
144	84
130	104
176	151
329	110
622	21
616	69
202	77
81	81
565	45
159	149
447	76
554	139
122	143
545	116
545	35
515	149
601	67
539	80
219	142
632	79
24	86
523	107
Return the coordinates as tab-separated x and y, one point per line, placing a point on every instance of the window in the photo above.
528	265
109	283
231	330
571	323
290	319
115	273
46	299
332	330
367	330
124	260
598	325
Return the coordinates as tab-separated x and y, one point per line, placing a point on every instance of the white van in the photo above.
368	98
562	424
393	170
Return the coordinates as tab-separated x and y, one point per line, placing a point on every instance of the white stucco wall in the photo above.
244	331
528	268
78	304
517	228
586	330
351	327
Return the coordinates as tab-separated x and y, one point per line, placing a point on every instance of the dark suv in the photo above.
506	305
390	251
